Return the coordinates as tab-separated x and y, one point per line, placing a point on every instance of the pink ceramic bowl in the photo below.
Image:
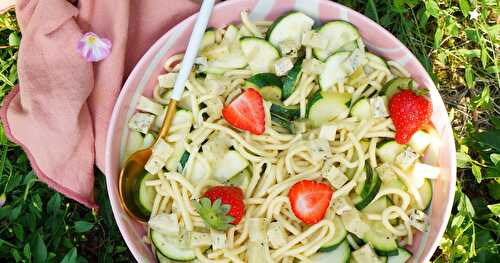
143	78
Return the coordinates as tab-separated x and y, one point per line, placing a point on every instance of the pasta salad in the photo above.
291	142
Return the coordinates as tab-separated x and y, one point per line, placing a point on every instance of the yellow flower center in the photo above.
91	40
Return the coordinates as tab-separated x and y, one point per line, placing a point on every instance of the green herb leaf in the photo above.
39	249
489	138
464	7
83	226
27	251
469	77
70	257
476	171
495	209
438	36
432	7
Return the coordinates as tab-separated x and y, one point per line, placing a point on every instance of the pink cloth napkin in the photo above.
59	113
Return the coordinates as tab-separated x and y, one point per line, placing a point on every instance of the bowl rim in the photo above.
127	87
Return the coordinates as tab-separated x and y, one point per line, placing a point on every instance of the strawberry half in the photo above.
246	112
221	207
310	200
409	113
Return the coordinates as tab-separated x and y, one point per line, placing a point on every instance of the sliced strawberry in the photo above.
409	113
246	112
310	200
221	207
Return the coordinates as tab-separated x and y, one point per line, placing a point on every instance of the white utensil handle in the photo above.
192	48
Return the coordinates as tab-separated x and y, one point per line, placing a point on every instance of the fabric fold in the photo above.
59	113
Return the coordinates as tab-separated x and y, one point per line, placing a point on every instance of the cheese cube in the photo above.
312	66
419	141
353	223
355	60
419	220
328	132
167	80
154	164
320	149
406	158
149	139
282	66
141	122
335	176
365	254
289	47
218	239
314	40
162	149
341	205
201	61
147	105
377	107
165	223
386	173
257	229
277	235
199	239
421	171
425	170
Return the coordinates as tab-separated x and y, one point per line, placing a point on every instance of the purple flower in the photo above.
93	48
3	198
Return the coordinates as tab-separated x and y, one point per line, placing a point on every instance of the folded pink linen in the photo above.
60	110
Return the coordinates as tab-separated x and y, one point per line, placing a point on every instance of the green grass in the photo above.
39	225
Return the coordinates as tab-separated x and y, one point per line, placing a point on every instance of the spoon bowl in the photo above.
128	184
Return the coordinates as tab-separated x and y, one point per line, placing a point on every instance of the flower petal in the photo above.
3	198
93	48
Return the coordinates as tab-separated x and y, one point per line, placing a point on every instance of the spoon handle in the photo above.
192	48
187	63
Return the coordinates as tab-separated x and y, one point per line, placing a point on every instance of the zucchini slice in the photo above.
388	150
395	85
264	79
370	189
341	36
231	164
260	54
361	109
162	259
374	59
232	60
381	239
349	46
426	193
402	256
289	26
242	179
283	122
269	85
184	159
333	72
292	77
167	247
271	93
378	206
291	112
340	235
147	194
208	38
325	106
340	254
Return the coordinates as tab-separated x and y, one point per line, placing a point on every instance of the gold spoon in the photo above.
133	169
